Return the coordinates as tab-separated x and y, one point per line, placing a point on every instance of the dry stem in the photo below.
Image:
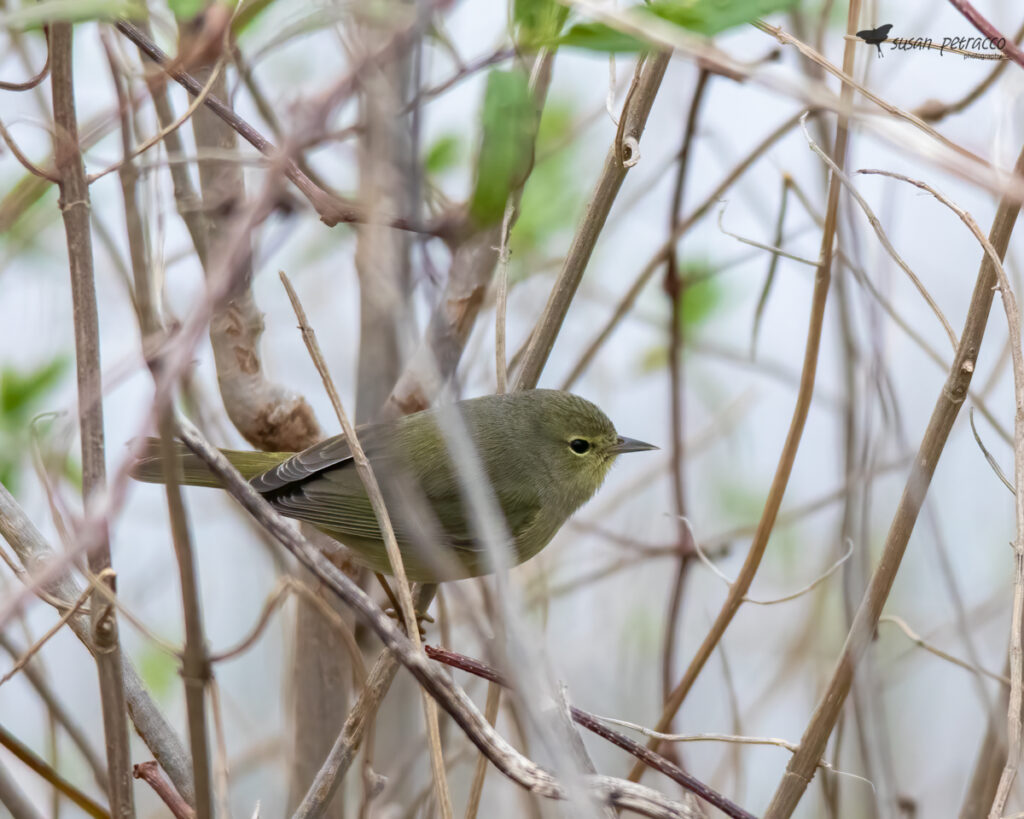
75	207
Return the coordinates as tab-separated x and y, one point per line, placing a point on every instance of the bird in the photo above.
544	453
876	36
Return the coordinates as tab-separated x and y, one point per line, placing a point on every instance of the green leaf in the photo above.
69	11
700	299
707	17
443	154
186	9
247	14
9	472
701	296
551	198
19	392
506	146
159	671
599	37
538	21
714	16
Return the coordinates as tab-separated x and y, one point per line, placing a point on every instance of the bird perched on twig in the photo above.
544	453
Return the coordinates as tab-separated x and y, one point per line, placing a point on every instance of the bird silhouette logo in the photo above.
876	36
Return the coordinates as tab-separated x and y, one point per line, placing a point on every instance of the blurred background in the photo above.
600	600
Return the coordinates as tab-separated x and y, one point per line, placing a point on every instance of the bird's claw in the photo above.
421	618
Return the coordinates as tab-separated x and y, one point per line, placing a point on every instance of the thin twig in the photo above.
26	755
800	770
74	205
61	714
39	558
769	279
675	288
631	126
918	640
593	723
976	19
656	261
32	82
988	455
149	772
476	789
26	163
933	110
831	570
369	480
162	134
876	225
1015	730
38	644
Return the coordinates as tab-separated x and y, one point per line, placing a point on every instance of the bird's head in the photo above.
578	442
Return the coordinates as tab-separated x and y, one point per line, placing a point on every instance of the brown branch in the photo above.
975	18
14	799
343	752
39	558
616	166
26	755
269	416
60	714
947	406
1016	654
149	772
74	205
32	82
369	480
195	667
675	289
933	110
472	268
592	723
658	259
738	590
332	208
26	163
523	771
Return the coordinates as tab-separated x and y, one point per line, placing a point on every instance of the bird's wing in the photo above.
333	500
331	452
520	506
321	486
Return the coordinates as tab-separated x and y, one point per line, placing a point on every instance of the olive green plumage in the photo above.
545	453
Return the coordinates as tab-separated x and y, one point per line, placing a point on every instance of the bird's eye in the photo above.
579	446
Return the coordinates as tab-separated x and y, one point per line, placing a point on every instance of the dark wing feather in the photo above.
331	452
320	486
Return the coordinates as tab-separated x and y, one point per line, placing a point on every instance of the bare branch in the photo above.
74	205
947	406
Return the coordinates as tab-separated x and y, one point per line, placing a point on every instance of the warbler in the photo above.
544	452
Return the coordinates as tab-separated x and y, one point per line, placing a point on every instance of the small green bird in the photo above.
545	453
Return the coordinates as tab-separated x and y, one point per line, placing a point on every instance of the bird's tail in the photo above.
192	471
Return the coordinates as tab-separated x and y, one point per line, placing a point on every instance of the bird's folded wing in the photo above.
333	499
331	452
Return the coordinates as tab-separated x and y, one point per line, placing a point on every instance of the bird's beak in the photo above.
630	445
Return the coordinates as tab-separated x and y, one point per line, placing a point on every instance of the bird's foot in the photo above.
421	618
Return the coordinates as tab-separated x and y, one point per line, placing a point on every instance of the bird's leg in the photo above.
395	610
